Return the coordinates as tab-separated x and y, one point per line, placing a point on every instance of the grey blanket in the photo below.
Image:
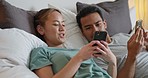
119	47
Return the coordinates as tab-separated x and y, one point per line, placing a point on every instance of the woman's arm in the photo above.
112	69
71	67
86	52
44	72
107	55
67	72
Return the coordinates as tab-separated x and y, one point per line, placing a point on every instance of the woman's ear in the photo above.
40	29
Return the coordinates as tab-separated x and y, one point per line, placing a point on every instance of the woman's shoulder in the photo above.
52	49
58	49
39	48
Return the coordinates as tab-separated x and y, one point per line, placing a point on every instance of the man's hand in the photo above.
136	42
146	40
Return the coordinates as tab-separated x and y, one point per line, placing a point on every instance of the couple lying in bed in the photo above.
89	61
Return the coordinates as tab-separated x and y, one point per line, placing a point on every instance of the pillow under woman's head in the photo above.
16	45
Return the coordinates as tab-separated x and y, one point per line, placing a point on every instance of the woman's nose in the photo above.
61	27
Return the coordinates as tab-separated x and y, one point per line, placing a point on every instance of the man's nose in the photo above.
95	28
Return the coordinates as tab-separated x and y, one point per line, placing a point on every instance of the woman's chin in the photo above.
62	40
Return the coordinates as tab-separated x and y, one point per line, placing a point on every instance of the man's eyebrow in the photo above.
55	21
94	23
86	26
58	21
98	21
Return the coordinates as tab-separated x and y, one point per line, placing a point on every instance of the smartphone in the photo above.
100	35
139	23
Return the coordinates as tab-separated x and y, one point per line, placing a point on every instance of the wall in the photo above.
38	4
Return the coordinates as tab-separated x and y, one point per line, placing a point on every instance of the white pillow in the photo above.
20	72
74	37
16	45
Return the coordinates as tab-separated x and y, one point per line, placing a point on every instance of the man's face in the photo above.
91	23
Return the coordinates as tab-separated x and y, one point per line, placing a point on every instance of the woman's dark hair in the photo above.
86	11
41	17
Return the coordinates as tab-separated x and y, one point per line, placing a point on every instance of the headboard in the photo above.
70	5
38	4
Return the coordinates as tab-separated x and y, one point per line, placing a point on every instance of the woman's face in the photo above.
54	29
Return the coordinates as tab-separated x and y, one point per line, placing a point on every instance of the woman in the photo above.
55	61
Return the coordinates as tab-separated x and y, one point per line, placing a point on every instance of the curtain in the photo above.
142	12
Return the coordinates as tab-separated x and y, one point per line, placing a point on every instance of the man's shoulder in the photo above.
120	39
121	35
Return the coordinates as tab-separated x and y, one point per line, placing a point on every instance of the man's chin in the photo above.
89	40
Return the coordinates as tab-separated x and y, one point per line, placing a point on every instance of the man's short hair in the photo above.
86	11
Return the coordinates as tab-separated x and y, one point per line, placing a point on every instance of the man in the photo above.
90	19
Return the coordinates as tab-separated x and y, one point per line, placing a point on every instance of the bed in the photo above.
17	36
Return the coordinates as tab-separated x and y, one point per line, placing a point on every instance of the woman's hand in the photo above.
87	51
135	43
106	53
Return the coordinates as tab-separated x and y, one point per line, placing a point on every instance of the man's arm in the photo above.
128	70
147	47
146	39
135	44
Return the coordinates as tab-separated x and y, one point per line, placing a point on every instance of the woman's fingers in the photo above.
99	50
102	45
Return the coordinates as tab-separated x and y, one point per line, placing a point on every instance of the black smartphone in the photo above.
100	35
